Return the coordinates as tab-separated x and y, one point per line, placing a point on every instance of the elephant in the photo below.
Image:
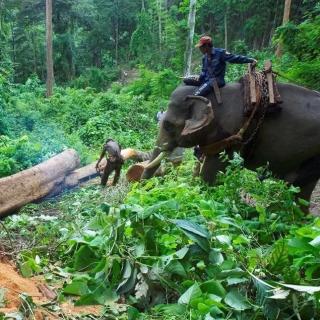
289	140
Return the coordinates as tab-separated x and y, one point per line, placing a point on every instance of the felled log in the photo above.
37	182
50	178
135	171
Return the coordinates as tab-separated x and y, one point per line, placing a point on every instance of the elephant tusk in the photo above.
156	161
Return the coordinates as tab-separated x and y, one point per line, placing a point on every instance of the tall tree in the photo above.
50	76
286	15
191	24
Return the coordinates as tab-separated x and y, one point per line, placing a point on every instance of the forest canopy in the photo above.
94	40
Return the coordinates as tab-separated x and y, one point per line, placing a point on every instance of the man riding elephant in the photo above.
114	161
213	66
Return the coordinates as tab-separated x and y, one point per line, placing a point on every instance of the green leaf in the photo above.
171	309
192	227
236	300
315	242
180	254
192	293
214	287
25	270
300	244
224	239
175	267
236	272
306	289
99	295
232	281
195	233
133	313
168	204
85	258
203	308
216	257
278	259
105	207
77	288
262	214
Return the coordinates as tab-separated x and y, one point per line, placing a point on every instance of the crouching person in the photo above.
114	161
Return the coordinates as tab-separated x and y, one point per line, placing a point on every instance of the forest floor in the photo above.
12	284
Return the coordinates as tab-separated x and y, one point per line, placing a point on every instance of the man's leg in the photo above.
117	174
106	173
204	89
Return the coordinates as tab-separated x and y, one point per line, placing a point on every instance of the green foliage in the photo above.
301	42
241	247
79	118
99	79
16	155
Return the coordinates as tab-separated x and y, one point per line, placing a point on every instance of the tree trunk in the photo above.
225	31
116	31
286	15
160	24
50	76
35	183
191	24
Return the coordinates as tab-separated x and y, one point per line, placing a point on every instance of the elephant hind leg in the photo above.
307	177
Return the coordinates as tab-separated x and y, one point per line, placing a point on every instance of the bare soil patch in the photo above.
14	285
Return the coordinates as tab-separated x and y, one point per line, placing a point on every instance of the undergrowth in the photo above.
174	248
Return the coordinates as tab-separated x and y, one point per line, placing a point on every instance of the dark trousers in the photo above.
109	168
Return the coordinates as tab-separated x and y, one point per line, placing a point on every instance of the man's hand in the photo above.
254	62
97	167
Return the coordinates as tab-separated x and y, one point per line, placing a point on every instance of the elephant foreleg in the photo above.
211	166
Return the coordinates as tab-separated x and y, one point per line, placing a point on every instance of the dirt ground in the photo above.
13	285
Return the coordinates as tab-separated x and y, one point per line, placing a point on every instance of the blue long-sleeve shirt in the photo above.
216	68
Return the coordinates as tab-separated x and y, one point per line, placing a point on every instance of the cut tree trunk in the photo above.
37	182
50	178
134	173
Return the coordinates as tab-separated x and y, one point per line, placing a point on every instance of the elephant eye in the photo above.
168	126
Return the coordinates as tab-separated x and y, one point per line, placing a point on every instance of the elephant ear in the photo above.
201	115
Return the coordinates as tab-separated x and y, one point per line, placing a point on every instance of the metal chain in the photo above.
261	80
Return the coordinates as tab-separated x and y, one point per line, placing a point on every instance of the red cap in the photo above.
204	40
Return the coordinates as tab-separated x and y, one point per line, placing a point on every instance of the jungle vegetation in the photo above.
240	250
